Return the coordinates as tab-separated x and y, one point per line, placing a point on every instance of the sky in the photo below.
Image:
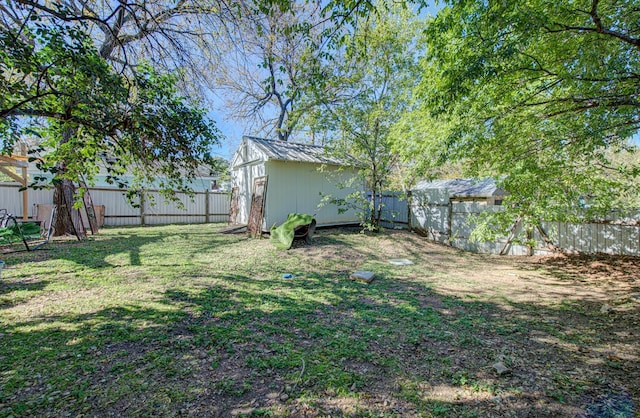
233	130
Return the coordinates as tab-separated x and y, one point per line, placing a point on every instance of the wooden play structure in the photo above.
21	164
16	167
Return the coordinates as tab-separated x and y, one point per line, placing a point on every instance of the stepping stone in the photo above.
363	276
400	262
501	369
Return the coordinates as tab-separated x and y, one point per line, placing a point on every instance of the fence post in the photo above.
409	203
25	195
450	220
141	207
206	206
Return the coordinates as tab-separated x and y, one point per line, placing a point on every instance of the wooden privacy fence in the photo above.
151	207
395	210
435	215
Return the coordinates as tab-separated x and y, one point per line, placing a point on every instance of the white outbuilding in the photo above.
272	178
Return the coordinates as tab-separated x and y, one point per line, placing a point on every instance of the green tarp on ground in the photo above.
282	236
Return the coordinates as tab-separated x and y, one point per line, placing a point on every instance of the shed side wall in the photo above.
299	187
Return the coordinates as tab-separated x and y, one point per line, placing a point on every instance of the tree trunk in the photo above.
63	199
379	210
68	219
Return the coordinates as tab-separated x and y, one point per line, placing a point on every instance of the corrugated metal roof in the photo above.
291	151
464	187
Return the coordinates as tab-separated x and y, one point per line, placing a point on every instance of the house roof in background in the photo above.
292	151
205	170
464	187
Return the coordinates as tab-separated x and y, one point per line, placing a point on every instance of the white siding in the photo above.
292	186
299	187
243	178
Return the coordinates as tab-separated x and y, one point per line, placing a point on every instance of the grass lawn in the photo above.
185	321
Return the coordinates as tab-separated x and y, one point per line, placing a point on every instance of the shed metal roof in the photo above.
292	151
464	187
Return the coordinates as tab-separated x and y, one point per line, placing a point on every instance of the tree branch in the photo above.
598	28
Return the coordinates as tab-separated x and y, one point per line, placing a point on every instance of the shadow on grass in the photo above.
593	267
28	285
96	250
13	293
333	347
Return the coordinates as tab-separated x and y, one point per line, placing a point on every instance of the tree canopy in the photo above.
539	94
267	67
274	56
362	91
112	83
56	86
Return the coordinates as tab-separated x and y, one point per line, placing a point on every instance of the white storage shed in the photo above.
274	178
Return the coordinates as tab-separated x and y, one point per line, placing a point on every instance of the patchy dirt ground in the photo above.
222	333
566	327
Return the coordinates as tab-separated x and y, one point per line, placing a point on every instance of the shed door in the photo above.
256	212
